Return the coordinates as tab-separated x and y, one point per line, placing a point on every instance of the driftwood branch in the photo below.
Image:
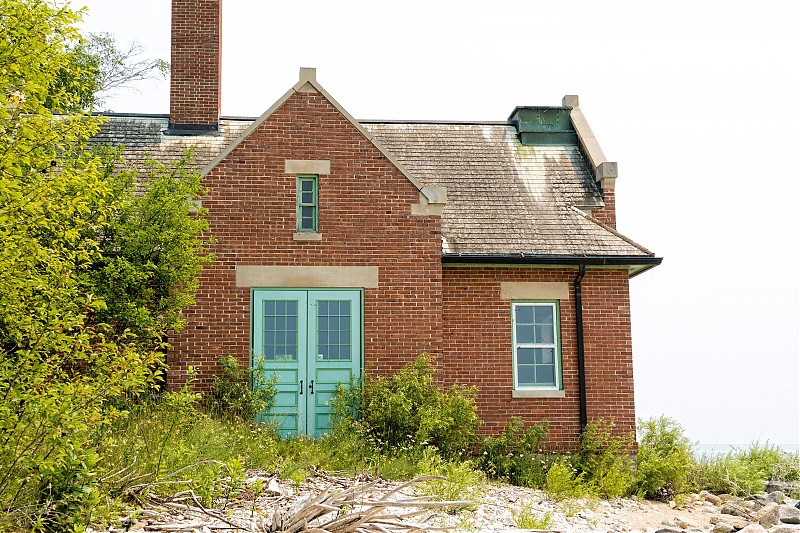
363	508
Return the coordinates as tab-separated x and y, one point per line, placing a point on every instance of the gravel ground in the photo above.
498	509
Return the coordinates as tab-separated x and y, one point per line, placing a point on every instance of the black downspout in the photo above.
579	323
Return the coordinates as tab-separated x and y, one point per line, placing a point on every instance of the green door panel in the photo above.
312	340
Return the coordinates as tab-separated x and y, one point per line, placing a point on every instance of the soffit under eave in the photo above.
309	78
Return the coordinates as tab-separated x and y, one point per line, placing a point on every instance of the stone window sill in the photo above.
307	236
526	393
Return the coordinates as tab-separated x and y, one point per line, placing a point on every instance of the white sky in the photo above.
697	101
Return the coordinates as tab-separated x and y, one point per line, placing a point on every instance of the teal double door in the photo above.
312	340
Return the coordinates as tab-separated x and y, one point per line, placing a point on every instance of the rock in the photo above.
783	486
672	504
753	528
668	530
734	510
709	497
669	523
722	527
754	503
776	496
769	516
737	523
683	524
789	514
783	528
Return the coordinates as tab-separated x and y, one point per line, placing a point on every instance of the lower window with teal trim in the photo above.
537	346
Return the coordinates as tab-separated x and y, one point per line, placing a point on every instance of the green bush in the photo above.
409	408
605	459
241	392
744	472
516	454
664	460
563	481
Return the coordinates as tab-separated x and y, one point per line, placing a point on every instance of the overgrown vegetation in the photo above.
743	472
241	392
91	275
665	459
516	455
408	408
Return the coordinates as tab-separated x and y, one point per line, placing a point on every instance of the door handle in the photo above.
311	386
301	387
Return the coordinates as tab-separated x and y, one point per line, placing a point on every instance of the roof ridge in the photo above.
612	231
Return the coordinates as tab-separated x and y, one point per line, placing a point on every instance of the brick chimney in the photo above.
194	95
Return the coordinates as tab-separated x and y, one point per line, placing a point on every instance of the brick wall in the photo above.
364	219
195	63
476	348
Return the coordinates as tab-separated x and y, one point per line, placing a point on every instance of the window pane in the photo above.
333	352
307	185
544	334
524	314
307	212
525	356
344	352
545	375
525	375
322	307
524	333
280	329
323	338
545	356
307	198
544	314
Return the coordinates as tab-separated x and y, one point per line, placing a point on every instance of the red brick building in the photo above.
345	245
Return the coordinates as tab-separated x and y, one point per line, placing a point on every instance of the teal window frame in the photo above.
555	345
314	204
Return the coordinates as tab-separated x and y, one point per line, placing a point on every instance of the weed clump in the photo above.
408	408
605	459
244	393
665	459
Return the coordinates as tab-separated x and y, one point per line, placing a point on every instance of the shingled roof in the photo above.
503	198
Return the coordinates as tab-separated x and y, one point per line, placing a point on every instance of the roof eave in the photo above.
636	264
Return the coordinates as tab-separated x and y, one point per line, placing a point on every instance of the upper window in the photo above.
307	203
537	352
